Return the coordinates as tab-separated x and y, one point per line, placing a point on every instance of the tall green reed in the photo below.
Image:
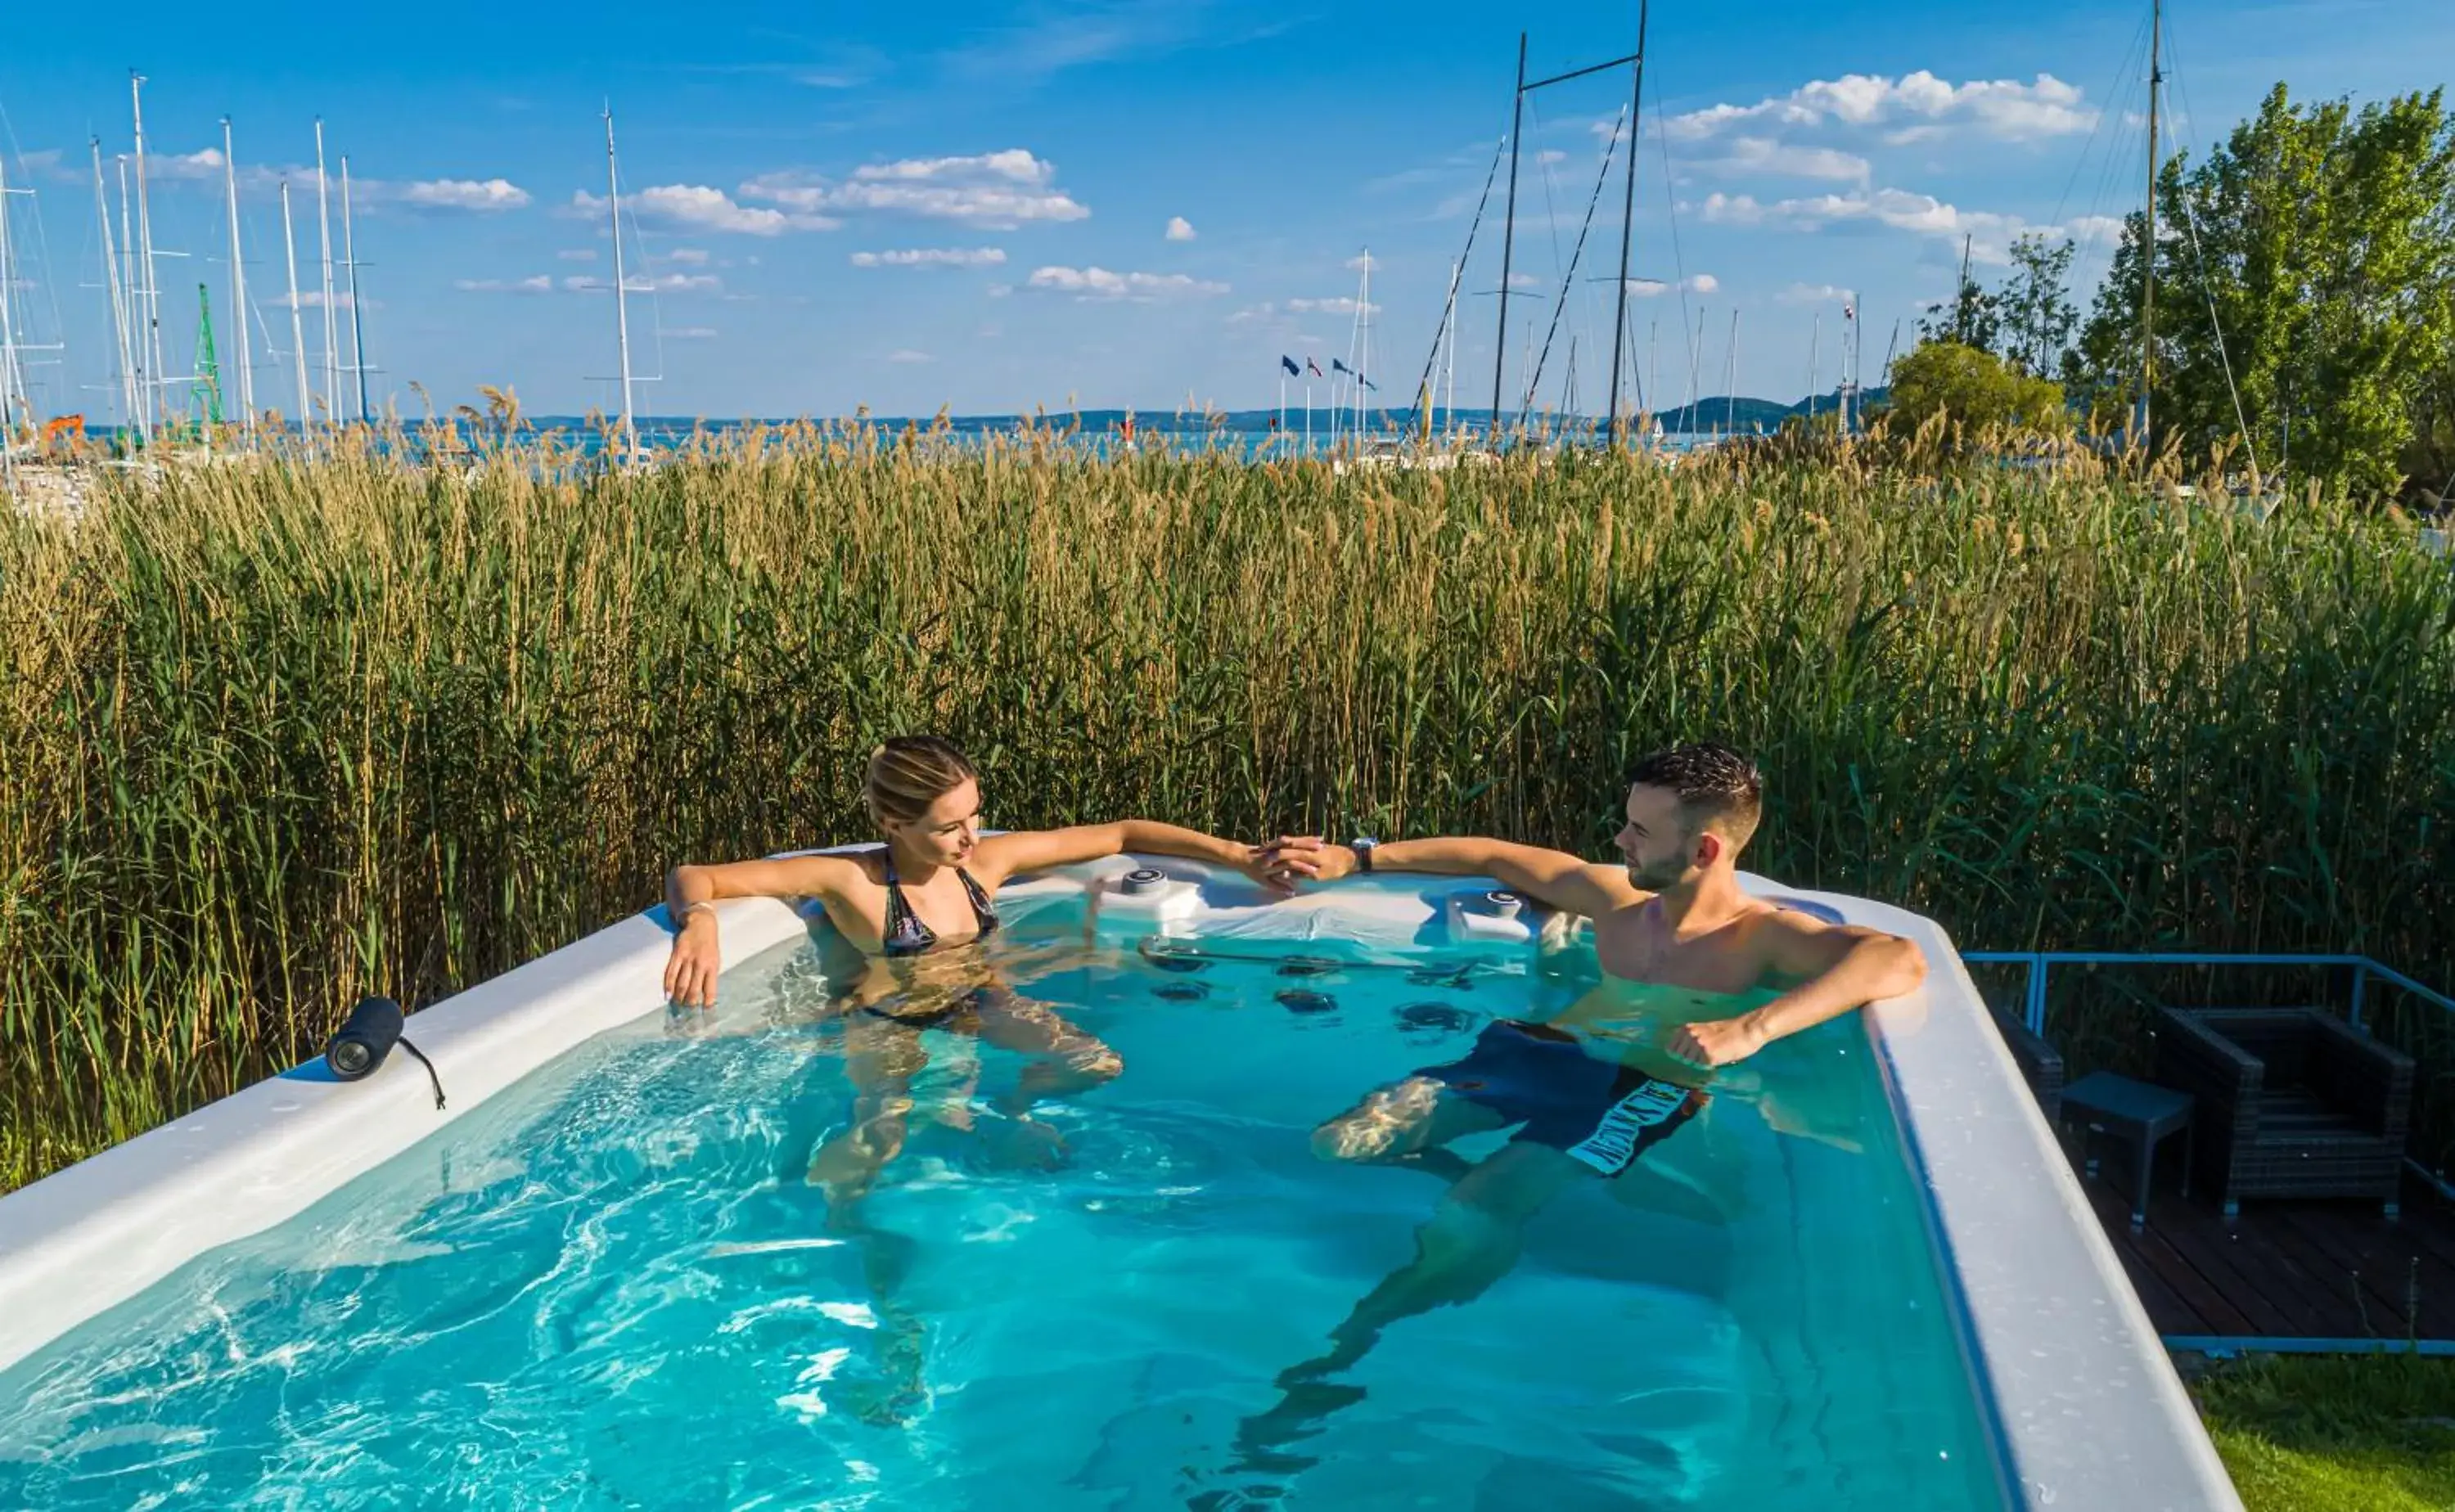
278	732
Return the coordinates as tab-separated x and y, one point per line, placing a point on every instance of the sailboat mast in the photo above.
1695	355
324	245
622	306
1814	368
297	328
1449	358
150	297
2148	248
1507	239
1652	397
1628	209
1731	381
238	285
14	400
134	377
358	324
1362	340
112	284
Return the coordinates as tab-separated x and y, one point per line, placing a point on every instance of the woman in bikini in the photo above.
919	907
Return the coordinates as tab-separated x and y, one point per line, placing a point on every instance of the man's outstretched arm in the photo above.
1553	878
1845	967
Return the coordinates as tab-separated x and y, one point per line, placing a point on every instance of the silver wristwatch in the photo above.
1361	845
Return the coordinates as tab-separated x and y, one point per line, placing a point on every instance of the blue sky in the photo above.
996	206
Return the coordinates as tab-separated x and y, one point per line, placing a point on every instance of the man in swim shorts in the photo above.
1592	1090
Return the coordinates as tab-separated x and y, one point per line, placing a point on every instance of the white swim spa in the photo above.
1863	1279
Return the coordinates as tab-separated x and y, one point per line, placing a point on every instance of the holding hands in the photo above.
1292	859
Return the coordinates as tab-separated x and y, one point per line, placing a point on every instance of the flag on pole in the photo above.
1290	364
1314	368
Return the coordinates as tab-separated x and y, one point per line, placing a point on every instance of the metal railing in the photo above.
2040	961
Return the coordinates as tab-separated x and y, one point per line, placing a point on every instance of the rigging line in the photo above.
2086	258
1569	279
43	243
1450	314
1679	261
2122	71
2207	290
2208	286
2095	253
1550	212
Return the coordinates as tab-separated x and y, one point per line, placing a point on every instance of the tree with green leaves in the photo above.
2305	273
2036	306
1972	317
1974	388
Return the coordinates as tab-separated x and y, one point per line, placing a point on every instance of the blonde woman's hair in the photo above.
909	772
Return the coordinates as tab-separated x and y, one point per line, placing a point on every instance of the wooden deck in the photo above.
2286	1269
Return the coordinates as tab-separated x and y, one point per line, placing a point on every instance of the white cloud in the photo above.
1341	305
999	191
1014	165
2095	230
909	356
1179	229
205	164
1655	288
645	284
694	257
931	257
1903	209
1733	210
707	209
540	284
460	193
1813	294
446	194
1553	154
1761	154
701	207
690	333
2001	108
577	254
1098	283
1365	263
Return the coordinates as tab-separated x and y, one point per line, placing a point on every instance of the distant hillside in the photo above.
1744	415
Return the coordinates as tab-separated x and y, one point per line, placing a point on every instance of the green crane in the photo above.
209	371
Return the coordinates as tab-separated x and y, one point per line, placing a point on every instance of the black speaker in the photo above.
361	1043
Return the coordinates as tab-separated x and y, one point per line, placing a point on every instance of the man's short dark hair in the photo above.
1719	788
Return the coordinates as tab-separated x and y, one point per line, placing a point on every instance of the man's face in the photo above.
1654	842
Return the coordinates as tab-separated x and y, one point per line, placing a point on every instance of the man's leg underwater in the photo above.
1470	1241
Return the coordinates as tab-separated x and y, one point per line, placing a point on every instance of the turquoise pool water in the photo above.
612	1286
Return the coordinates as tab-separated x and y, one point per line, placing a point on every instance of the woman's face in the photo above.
948	833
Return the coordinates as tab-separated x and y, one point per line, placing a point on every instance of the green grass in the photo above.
275	733
2313	1434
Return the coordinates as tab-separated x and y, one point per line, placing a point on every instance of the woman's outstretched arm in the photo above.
1005	856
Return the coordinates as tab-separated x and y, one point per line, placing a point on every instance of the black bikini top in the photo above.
907	934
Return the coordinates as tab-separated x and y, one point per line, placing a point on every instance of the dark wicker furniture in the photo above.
2137	1114
2293	1101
